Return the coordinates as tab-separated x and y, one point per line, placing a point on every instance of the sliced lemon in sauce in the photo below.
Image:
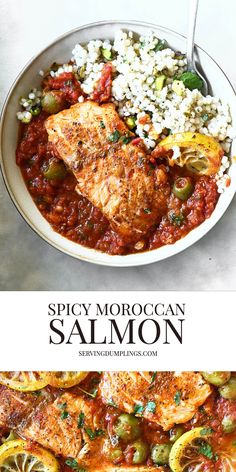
64	379
185	451
23	456
23	381
190	450
201	154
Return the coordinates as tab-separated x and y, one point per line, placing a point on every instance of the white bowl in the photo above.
60	51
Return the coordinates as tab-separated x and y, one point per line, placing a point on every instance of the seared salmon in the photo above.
114	174
49	419
167	398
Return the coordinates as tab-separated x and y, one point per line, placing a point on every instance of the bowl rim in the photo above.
123	260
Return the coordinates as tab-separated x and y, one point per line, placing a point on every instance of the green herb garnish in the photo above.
114	137
126	139
147	210
205	117
62	406
94	434
102	124
64	415
153	377
177	398
191	80
73	464
111	403
162	44
138	409
206	431
151	407
206	450
80	422
176	219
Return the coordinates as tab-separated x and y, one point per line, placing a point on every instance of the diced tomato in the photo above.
102	92
67	83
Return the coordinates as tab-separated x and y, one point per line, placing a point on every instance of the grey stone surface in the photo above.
26	261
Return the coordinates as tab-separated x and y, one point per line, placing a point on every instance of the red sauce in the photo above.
102	93
72	215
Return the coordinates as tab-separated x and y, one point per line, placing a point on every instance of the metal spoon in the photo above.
192	65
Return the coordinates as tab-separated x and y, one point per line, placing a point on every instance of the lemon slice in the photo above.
201	154
22	456
185	451
23	381
64	379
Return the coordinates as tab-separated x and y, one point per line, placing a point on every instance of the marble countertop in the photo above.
29	263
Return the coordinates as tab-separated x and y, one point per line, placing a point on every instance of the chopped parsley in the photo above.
138	409
80	422
94	434
147	210
73	464
153	377
114	137
62	406
206	450
111	403
162	44
64	415
177	398
151	407
102	124
205	117
126	139
206	431
176	219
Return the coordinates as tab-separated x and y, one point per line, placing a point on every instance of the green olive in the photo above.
35	110
183	188
140	449
52	102
160	454
130	121
216	378
127	427
55	170
176	432
116	454
229	424
228	390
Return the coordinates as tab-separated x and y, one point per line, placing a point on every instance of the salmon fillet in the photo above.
116	177
169	399
49	419
17	407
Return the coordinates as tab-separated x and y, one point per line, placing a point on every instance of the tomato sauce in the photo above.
72	215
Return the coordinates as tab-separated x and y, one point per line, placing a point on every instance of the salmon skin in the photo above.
111	172
166	398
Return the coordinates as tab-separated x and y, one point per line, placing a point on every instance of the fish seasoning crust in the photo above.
114	184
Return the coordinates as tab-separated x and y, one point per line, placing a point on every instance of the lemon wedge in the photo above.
201	154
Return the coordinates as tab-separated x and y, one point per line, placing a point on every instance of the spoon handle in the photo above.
193	7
